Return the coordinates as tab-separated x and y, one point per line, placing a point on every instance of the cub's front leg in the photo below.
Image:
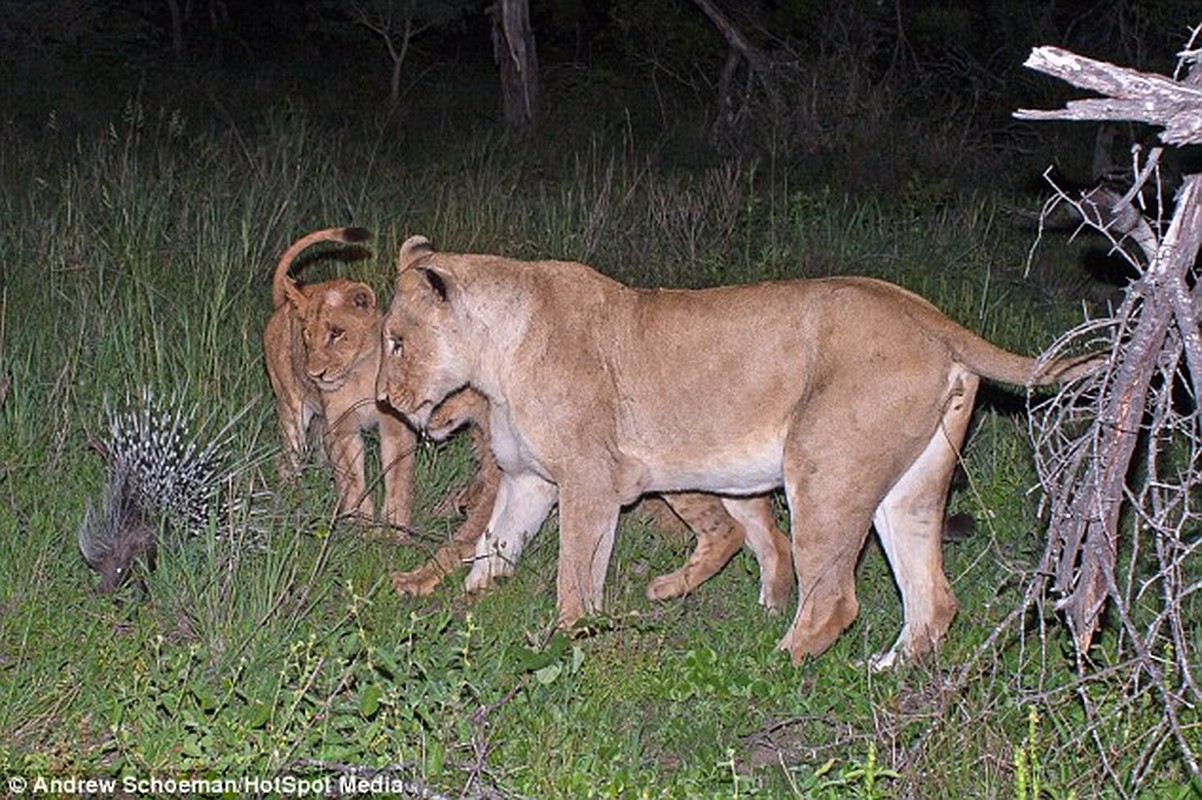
523	502
345	448
398	443
722	526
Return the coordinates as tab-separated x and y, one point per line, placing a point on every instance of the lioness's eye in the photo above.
396	345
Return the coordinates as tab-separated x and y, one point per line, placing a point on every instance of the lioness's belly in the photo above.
735	470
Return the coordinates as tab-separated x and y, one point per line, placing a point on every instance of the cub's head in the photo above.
425	355
340	325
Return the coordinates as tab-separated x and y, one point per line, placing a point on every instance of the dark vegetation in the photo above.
156	157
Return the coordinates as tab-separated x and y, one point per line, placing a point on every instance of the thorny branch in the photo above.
1118	453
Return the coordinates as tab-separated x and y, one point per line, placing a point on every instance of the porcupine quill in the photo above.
165	479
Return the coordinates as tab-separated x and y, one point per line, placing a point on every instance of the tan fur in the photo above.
720	533
851	393
463	408
322	348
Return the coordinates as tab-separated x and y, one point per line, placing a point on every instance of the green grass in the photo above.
141	255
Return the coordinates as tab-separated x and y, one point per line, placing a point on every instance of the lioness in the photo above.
852	393
720	532
322	347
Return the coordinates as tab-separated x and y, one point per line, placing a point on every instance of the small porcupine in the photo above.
165	478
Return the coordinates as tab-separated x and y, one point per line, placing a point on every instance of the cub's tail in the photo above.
280	280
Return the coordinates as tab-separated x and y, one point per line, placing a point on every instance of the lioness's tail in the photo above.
991	361
280	279
979	355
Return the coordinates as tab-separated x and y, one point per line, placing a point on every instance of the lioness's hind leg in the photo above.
719	537
826	544
909	522
831	499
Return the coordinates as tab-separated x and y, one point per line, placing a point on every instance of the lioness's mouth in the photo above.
420	416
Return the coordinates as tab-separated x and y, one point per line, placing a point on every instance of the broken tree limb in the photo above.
759	67
1130	95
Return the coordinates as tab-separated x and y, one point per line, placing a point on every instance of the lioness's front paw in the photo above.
883	662
483	575
775	595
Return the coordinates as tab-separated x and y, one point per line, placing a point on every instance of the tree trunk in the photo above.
177	30
514	52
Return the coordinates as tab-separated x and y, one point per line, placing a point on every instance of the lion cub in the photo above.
322	347
721	529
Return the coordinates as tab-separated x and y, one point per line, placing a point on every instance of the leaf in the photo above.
204	699
526	660
257	714
548	674
191	747
369	700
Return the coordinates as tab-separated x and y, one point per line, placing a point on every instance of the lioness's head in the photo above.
340	324
420	360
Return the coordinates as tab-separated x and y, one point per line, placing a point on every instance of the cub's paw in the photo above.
667	587
417	583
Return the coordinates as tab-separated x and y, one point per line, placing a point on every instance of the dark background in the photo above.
868	93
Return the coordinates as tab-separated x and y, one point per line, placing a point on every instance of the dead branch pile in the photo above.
1120	454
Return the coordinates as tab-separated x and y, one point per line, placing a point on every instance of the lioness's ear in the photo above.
415	247
437	283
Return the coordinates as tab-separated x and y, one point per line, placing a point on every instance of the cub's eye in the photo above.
336	334
396	346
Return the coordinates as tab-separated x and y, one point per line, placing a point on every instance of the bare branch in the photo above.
1130	95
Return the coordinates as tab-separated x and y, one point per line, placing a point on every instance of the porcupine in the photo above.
165	479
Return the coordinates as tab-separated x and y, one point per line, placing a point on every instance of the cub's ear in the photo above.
414	248
362	297
294	295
